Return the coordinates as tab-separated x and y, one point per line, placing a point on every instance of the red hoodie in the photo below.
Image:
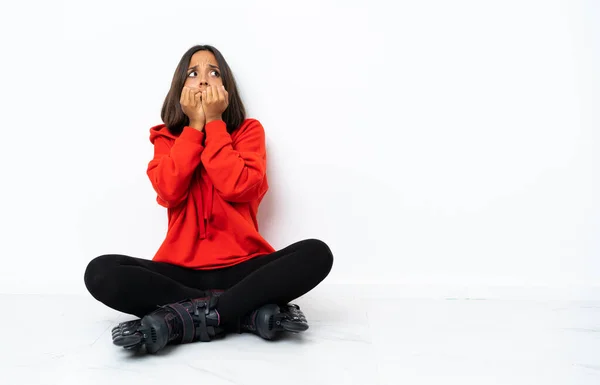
211	183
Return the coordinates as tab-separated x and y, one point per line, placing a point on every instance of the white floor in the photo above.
354	338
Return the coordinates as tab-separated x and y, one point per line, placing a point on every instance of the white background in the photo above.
427	142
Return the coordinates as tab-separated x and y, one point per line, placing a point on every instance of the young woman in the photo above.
214	273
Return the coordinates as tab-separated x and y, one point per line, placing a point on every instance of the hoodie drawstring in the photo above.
206	209
201	223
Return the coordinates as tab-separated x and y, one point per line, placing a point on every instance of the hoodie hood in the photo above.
160	130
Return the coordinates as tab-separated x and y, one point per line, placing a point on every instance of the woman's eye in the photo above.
217	73
193	72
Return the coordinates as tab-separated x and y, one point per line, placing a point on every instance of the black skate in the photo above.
181	322
126	334
270	320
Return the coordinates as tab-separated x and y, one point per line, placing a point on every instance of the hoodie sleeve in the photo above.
236	169
174	163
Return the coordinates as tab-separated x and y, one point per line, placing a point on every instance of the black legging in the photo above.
137	286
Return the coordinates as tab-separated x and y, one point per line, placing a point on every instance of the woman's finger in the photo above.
221	93
197	99
183	97
197	93
193	92
212	95
215	94
190	96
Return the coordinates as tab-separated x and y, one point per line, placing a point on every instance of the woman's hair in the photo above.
172	115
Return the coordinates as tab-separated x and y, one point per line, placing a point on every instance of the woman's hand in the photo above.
191	105
214	100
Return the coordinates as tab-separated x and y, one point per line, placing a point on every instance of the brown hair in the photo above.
172	115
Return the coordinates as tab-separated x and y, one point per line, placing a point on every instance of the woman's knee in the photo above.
98	272
321	255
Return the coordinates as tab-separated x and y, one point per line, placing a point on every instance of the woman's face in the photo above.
203	71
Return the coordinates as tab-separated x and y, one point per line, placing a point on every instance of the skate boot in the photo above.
270	320
176	323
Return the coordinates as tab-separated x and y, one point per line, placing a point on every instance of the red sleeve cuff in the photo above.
215	127
192	135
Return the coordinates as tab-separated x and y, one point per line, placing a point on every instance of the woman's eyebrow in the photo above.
196	67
